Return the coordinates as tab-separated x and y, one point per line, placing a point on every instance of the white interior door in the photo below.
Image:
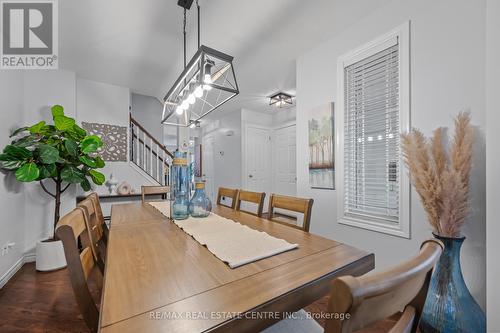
257	169
285	157
208	154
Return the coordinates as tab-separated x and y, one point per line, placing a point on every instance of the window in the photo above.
374	110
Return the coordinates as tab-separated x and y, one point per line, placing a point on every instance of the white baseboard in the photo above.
28	257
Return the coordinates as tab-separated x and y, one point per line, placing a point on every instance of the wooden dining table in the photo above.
159	279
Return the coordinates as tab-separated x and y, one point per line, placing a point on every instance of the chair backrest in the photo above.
254	197
99	216
373	297
95	231
298	205
227	193
69	229
154	190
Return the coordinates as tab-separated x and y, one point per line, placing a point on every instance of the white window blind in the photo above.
371	137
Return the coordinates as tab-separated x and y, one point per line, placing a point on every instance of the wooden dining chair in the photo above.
365	300
252	197
81	264
293	204
227	193
154	190
95	226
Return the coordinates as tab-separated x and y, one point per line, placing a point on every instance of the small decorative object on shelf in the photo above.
441	179
123	189
112	183
200	205
180	191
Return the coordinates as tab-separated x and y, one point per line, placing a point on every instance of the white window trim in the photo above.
401	35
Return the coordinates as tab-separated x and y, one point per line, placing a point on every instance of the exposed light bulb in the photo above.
208	79
198	92
185	105
207	87
179	110
193	125
191	99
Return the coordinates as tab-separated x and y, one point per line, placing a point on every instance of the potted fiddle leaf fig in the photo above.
61	153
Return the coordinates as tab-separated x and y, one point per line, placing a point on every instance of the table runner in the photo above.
230	241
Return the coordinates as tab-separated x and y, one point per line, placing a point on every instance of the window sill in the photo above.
384	228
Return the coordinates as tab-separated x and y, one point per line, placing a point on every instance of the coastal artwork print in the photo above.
321	147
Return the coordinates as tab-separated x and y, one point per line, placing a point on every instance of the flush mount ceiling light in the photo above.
207	82
281	99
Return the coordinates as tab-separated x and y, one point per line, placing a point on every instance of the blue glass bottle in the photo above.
200	205
449	306
179	192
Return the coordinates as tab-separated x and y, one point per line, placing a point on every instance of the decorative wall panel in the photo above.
114	139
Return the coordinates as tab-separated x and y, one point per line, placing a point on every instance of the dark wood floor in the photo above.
44	302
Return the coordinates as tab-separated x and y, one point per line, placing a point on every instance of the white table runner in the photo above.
230	241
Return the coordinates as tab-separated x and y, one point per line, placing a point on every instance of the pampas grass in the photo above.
442	180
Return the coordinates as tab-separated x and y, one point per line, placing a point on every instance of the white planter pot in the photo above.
50	256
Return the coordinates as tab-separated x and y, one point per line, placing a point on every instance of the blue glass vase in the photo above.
179	190
200	205
449	306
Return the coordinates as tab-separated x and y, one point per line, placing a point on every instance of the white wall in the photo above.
227	151
12	195
447	75
103	103
492	162
147	111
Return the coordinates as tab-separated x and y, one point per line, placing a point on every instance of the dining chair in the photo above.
357	302
298	205
81	264
252	197
154	190
227	193
95	228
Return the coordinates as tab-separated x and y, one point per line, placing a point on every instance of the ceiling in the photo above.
138	44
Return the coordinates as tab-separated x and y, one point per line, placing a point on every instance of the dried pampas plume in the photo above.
442	182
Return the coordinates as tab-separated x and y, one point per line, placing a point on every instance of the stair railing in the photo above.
149	154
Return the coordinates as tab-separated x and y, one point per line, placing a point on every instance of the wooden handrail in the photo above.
162	147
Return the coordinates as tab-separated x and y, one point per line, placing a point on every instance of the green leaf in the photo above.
99	162
8	162
47	154
57	110
20	153
37	128
64	123
72	174
97	177
71	147
90	144
27	173
77	133
17	131
47	171
85	185
88	161
27	141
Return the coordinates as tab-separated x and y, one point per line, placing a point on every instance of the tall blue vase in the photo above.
449	307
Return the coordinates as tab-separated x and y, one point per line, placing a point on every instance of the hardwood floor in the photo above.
44	303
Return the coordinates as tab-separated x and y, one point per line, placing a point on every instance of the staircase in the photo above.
149	155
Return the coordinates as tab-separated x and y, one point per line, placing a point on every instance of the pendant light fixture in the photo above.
207	82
